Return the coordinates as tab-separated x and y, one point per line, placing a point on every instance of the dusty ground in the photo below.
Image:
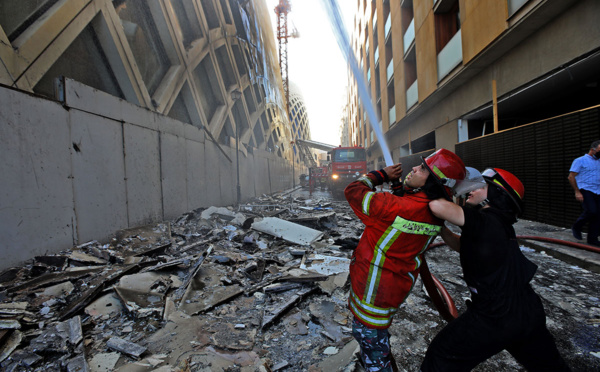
247	306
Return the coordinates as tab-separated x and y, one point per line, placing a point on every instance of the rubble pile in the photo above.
261	287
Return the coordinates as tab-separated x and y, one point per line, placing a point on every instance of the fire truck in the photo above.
346	164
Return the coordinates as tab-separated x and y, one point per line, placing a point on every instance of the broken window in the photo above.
189	24
17	15
144	40
84	61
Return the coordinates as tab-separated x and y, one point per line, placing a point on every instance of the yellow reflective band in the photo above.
437	171
370	314
366	204
417	228
367	181
370	307
384	243
501	185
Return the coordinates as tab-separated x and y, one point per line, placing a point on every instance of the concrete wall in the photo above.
81	170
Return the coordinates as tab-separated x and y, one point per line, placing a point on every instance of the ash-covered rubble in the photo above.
261	287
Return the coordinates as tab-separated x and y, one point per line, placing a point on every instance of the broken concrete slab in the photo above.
104	362
273	312
344	357
9	324
333	283
286	230
59	290
206	291
224	213
326	265
107	305
232	338
125	347
78	364
10	343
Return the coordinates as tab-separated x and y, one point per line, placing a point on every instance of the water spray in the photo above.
339	29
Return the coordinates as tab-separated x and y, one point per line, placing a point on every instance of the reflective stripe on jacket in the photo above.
386	261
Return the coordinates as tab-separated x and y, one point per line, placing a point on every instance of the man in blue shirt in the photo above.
584	177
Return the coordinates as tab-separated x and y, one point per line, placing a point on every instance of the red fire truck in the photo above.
346	165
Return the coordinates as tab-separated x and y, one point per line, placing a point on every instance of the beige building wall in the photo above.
537	41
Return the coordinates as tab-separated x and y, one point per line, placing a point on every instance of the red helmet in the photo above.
447	168
507	182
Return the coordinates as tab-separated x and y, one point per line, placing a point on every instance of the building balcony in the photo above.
450	56
412	95
392	115
390	70
409	35
388	26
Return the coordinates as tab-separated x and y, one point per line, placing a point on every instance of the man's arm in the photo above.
448	211
573	183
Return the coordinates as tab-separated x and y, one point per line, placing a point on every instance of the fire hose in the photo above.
440	297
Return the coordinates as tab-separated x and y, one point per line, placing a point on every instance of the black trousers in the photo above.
474	337
591	215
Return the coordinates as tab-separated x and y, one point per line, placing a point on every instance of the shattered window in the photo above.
208	87
144	41
188	21
85	62
17	15
179	111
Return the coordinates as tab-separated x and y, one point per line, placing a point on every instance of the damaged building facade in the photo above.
120	113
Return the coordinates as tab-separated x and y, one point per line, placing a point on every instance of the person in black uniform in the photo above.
504	312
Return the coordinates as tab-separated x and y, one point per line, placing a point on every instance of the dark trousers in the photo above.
590	215
474	337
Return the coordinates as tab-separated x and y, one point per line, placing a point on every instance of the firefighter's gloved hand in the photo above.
397	188
394	172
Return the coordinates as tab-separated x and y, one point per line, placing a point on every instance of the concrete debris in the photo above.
286	230
263	287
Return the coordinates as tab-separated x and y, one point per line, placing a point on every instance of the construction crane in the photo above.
282	10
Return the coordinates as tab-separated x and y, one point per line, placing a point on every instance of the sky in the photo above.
316	65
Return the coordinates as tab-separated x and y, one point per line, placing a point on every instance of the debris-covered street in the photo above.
259	288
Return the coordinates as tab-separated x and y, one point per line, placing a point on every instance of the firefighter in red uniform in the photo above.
386	262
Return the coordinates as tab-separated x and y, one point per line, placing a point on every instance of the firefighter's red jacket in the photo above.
386	262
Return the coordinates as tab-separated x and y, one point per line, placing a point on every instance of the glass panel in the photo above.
17	15
208	87
212	18
225	10
412	95
390	70
85	62
393	115
188	22
179	111
224	64
409	35
514	5
450	56
144	41
349	155
388	25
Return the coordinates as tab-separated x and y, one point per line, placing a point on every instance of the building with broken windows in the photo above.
120	113
512	84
